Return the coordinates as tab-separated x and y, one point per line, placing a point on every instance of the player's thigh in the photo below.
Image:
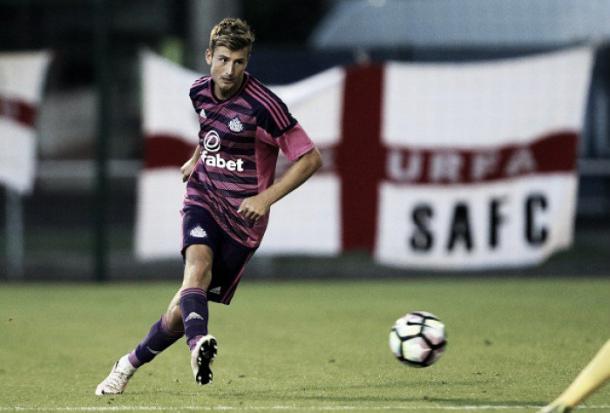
228	268
198	228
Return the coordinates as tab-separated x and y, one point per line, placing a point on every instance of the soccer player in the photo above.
230	189
593	376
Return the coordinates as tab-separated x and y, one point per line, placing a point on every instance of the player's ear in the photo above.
208	56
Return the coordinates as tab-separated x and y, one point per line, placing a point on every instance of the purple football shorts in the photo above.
230	257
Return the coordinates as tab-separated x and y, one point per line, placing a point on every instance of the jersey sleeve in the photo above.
295	143
273	117
275	124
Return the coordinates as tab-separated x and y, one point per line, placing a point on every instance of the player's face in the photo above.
227	69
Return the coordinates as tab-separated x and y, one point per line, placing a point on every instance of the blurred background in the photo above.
78	222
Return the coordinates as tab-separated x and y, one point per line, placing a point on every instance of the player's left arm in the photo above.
257	206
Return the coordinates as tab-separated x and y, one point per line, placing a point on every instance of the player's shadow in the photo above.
322	393
454	402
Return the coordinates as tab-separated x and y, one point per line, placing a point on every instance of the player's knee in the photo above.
198	274
173	319
197	271
198	267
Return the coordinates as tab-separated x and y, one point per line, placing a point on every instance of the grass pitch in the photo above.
514	344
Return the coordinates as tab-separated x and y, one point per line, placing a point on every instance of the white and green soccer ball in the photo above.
418	339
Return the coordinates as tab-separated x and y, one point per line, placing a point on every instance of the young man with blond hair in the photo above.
230	188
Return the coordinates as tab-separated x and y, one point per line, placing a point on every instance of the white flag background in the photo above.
478	159
167	113
481	185
307	221
21	78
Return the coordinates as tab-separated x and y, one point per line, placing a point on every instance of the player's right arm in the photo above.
187	168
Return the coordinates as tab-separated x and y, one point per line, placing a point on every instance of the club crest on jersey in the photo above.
235	125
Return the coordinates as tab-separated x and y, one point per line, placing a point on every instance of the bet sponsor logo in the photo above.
211	141
211	144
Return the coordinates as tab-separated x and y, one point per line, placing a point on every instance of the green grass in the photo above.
307	346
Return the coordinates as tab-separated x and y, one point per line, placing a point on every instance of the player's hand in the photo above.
187	169
253	208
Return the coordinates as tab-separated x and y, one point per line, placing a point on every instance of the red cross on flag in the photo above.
21	78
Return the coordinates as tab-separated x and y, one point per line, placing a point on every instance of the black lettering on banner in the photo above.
533	204
460	228
495	221
422	238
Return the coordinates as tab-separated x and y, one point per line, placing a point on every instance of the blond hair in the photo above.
232	33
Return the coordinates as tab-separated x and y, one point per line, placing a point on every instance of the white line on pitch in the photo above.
287	408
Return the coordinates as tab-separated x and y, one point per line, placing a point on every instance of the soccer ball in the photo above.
418	339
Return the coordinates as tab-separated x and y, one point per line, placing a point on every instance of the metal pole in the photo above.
102	76
14	236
